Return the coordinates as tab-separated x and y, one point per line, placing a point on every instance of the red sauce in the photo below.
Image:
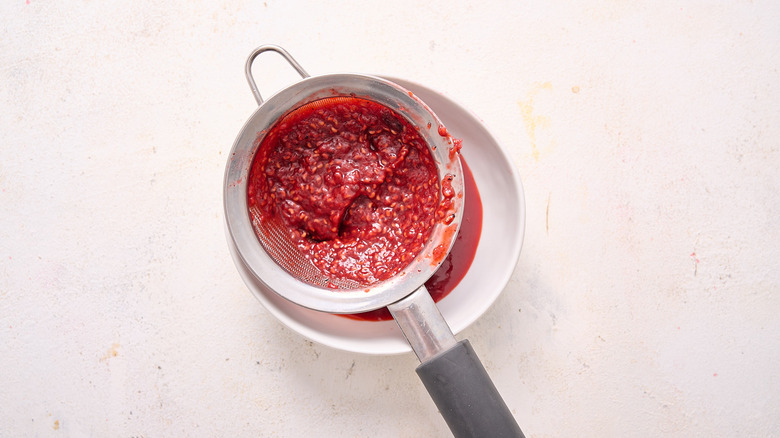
459	260
457	145
355	185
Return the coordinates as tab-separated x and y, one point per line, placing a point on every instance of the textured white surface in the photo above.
647	297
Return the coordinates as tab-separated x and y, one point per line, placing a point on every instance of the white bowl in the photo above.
503	225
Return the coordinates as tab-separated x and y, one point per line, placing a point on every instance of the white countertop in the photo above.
646	301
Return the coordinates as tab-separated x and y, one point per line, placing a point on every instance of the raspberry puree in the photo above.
460	258
354	183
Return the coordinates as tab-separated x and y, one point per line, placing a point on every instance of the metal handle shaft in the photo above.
422	324
452	373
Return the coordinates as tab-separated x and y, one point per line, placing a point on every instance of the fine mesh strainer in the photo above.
276	240
450	370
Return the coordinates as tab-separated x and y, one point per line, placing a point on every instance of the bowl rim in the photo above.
386	338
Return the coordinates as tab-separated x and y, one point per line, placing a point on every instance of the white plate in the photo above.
503	225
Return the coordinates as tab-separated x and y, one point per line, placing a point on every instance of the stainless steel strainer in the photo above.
450	370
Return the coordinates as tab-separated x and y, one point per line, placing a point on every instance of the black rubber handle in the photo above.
465	395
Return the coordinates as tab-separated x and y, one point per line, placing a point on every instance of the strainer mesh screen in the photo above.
275	238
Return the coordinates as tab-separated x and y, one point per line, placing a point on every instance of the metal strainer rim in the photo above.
240	229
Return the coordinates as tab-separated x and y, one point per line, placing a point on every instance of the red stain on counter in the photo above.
695	263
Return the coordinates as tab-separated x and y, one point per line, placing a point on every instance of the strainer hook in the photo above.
266	48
